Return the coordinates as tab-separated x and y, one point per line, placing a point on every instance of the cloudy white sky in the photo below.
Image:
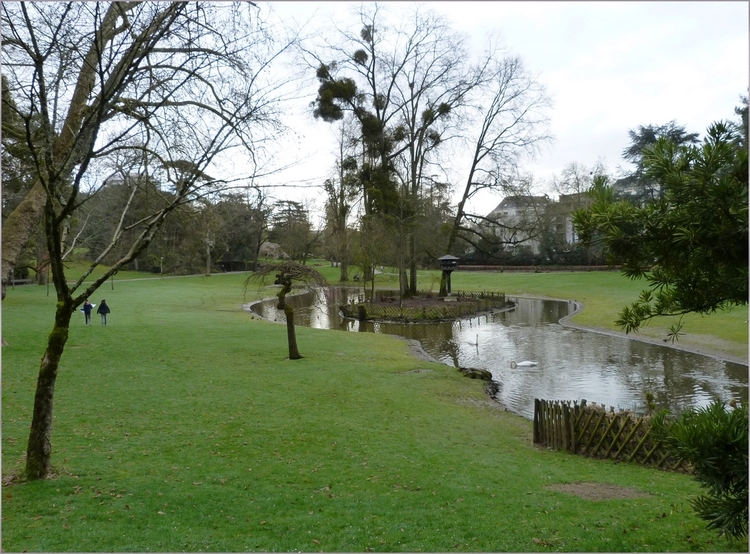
608	67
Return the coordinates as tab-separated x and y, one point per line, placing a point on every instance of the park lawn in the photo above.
182	426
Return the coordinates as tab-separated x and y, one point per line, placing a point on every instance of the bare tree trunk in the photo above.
291	333
343	251
413	265
42	265
344	270
403	280
208	257
39	450
443	285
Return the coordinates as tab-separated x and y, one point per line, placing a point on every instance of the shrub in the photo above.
714	441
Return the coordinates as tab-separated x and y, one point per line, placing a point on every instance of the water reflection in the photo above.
571	364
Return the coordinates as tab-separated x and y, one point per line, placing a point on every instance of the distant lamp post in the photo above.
161	265
447	263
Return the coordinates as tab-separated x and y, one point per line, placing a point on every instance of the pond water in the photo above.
571	364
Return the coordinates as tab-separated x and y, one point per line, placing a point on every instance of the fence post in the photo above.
565	424
536	421
573	429
551	423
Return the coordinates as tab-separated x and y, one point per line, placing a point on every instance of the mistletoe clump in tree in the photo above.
405	80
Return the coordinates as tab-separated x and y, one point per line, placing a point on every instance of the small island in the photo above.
424	307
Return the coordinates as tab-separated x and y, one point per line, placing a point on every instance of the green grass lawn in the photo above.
182	426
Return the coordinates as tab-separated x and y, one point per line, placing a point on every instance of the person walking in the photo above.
87	307
103	310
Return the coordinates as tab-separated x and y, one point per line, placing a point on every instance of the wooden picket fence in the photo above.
590	430
466	303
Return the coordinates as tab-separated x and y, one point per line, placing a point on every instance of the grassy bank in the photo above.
182	426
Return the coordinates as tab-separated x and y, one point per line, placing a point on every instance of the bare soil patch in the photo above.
598	491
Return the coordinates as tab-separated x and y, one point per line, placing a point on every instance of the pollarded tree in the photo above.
285	274
691	245
169	87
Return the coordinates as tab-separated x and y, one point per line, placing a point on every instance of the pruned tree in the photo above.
286	274
168	87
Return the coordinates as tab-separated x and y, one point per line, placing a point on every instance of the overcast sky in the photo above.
608	67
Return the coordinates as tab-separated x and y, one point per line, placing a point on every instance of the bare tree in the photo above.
341	192
402	78
171	86
512	123
576	178
432	82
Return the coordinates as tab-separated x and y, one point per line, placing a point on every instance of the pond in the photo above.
571	364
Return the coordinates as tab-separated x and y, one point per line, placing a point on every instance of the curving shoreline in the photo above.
566	322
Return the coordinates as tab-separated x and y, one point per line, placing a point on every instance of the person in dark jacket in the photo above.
103	310
87	307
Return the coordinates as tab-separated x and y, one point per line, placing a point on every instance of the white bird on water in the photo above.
525	363
475	343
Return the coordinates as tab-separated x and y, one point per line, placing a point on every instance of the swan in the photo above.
525	363
475	343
